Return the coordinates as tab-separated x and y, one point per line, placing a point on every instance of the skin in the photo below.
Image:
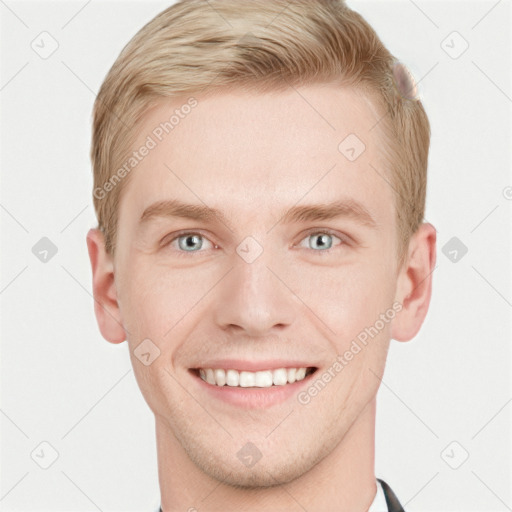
253	156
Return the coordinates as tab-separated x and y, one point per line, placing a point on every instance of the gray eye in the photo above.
191	242
321	240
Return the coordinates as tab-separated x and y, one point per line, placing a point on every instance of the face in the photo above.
259	276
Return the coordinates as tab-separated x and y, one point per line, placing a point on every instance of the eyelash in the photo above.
314	231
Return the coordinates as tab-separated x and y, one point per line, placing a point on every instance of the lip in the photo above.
252	398
253	366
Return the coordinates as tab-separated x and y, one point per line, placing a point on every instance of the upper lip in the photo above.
253	366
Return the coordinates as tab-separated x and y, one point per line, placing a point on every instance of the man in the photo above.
259	180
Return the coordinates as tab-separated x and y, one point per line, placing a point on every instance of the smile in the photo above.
259	379
254	385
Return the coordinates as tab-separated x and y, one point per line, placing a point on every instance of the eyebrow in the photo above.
348	208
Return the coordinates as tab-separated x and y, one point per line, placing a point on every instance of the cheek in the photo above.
157	297
347	294
350	301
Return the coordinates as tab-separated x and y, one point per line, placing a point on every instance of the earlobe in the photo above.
106	307
414	286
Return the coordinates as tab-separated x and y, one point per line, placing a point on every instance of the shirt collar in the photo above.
379	502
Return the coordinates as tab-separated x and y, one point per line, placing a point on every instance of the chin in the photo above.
281	469
263	476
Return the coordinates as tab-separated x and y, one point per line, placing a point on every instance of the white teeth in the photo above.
301	373
210	378
245	379
279	377
232	378
263	379
220	377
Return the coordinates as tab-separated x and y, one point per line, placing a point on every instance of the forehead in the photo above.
243	151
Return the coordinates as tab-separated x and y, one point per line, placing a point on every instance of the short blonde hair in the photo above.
196	45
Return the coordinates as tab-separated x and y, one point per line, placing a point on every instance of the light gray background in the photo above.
63	384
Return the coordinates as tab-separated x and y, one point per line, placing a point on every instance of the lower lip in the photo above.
253	398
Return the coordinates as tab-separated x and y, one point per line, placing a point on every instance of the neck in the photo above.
344	480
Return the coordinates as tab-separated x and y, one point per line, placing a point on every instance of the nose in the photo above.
254	299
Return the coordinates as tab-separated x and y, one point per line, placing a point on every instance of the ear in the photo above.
414	285
106	307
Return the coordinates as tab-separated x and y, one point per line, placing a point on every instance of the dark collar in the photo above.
391	500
